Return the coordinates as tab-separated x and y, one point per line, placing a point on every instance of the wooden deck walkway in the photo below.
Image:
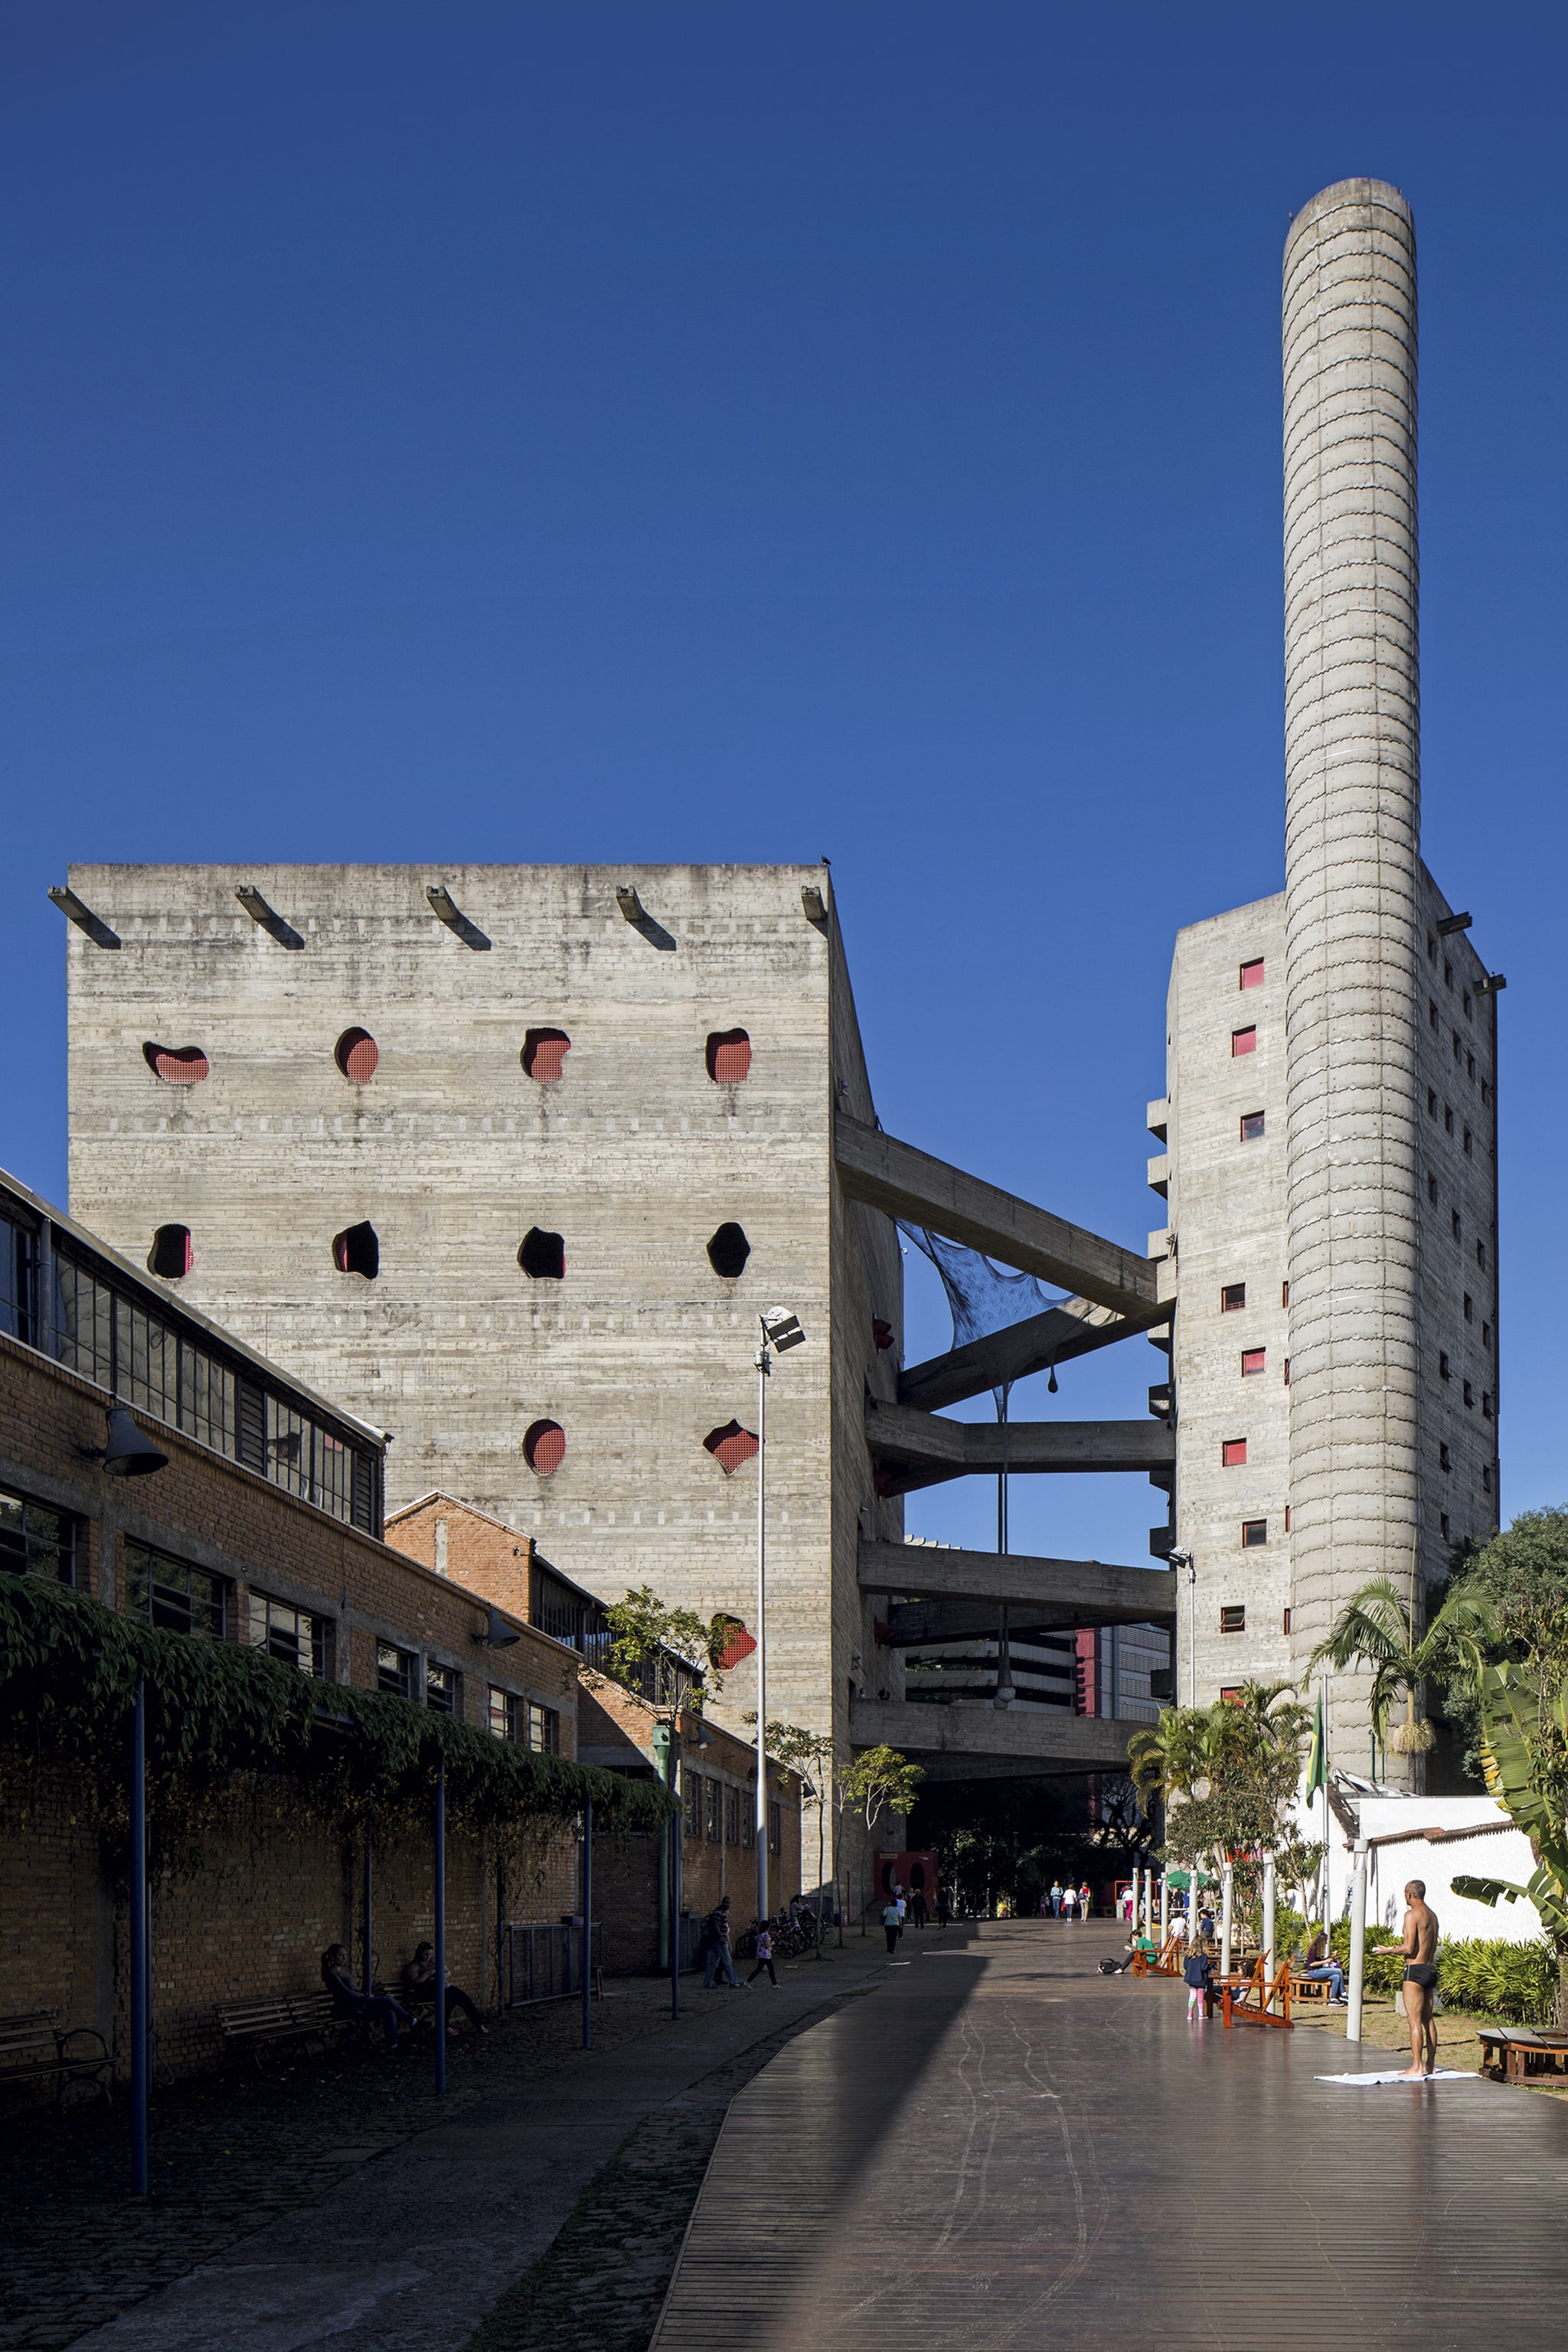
1000	2149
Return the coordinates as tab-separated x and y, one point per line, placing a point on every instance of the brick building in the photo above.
263	1528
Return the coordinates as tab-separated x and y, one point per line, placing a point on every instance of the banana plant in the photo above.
1524	1755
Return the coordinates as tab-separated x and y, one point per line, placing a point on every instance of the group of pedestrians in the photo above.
1063	1901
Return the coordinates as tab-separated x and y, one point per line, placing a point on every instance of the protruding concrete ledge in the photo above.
1055	1336
927	1448
1047	1743
893	1176
1083	1592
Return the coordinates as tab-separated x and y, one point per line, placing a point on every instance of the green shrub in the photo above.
1515	1982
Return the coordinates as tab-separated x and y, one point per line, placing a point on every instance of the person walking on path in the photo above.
1420	1950
1197	1971
1069	1900
943	1908
1085	1901
764	1958
1056	1900
917	1906
715	1947
349	2002
891	1924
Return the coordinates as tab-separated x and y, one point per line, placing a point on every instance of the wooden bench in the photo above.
1513	2053
1249	2000
254	2026
31	2051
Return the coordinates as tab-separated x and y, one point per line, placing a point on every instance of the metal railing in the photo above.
543	1960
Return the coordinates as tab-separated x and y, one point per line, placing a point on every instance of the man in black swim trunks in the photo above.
1420	1951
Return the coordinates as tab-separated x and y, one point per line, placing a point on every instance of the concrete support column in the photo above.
1352	837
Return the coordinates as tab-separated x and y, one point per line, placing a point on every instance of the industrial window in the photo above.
1467	1142
544	1447
1485	1482
1251	1126
775	1827
175	1597
747	1823
731	1817
1444	1459
395	1670
296	1636
37	1541
1252	1361
1432	1190
728	1056
504	1708
356	1056
1457	1227
1447	1119
1233	1618
1254	1534
1486	1404
1431	1102
440	1687
544	1051
1233	1453
1470	1396
1233	1297
715	1812
1442	1524
1252	973
1243	1041
177	1065
357	1250
544	1729
728	1250
1481	1255
730	1445
170	1255
1432	1010
1442	1365
693	1822
543	1255
1469	1309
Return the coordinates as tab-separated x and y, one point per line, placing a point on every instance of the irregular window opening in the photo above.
1252	973
882	1332
356	1056
170	1255
177	1065
728	1056
729	1446
728	1250
542	1257
738	1644
544	1051
544	1447
1243	1041
356	1250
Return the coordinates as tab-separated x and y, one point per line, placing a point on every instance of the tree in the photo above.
1524	1752
1234	1765
1376	1628
813	1758
881	1779
1519	1578
650	1643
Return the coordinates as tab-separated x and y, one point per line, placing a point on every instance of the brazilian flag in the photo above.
1318	1760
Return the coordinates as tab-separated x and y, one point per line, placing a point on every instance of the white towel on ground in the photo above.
1443	2074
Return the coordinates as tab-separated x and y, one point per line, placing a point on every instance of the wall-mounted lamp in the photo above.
129	1452
498	1634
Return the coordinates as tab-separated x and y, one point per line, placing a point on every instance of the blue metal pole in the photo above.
367	1986
140	1956
675	1835
441	1925
587	1919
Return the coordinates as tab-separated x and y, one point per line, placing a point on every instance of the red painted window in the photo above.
1252	1360
1254	1533
170	1255
1230	1695
738	1644
1252	973
728	1056
1251	1126
1233	1453
729	1446
1243	1041
356	1056
544	1447
177	1065
544	1051
1232	1297
1287	1621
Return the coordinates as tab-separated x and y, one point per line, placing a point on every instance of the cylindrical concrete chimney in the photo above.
1351	835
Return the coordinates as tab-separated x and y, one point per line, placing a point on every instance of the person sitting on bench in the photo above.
349	2002
419	1984
1321	1965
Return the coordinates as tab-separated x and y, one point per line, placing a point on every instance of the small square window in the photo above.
1469	1309
1243	1041
1233	1453
1252	973
1233	1297
1442	1524
1252	1361
1470	1396
37	1541
1454	1221
1251	1126
440	1687
1431	1102
1442	1365
293	1636
1443	1461
1432	1190
1254	1534
395	1670
1467	1142
1233	1618
175	1597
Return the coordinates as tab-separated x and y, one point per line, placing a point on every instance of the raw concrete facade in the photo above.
1331	1124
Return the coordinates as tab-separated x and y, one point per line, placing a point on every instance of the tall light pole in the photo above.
780	1331
1185	1559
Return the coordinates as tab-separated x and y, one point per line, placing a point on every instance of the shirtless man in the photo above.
1420	1951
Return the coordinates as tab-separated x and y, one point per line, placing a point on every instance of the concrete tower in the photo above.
1352	844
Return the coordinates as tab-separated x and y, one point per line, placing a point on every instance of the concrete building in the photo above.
513	1156
1330	1125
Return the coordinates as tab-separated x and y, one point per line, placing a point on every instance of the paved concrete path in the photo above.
408	2251
1004	2148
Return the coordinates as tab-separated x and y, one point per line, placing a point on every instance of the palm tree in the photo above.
1375	1628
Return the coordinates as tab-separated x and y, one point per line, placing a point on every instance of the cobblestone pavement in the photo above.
231	2154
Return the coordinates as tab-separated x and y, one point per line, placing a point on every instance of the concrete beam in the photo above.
1078	1591
932	1449
1055	1336
1062	1743
903	1182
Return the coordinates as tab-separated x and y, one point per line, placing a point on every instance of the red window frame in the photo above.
1233	1454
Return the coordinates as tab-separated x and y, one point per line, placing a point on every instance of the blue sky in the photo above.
703	431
